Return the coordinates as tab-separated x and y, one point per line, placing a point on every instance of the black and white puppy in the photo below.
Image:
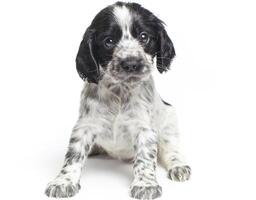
121	113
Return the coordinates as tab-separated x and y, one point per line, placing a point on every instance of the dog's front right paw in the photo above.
62	189
145	192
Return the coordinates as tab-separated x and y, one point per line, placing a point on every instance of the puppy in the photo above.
121	113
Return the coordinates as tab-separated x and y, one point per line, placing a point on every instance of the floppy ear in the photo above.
86	64
165	51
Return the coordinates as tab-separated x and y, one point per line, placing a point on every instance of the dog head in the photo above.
121	43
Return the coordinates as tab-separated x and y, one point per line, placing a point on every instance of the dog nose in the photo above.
131	64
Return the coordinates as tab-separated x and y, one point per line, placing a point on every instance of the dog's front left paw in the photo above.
62	189
145	192
180	173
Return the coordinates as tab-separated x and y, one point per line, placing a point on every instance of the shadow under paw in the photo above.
150	192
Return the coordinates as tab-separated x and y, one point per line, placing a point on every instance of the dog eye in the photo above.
144	37
109	42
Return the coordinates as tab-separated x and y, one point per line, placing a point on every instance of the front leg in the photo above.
145	185
172	159
170	155
66	184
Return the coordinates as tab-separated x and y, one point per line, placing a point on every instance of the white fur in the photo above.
124	19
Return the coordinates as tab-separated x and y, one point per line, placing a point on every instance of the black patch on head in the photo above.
165	53
92	52
160	44
86	65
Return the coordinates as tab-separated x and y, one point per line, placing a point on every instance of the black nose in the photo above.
131	64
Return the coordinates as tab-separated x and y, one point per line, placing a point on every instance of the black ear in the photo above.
165	51
86	64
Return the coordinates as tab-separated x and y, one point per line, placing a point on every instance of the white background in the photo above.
211	84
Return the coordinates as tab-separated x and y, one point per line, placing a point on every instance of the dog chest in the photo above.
119	142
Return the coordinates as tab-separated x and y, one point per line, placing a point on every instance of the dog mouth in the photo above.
124	76
133	78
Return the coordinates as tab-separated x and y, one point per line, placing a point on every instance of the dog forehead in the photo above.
123	17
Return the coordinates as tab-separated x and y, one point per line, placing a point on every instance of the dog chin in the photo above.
135	80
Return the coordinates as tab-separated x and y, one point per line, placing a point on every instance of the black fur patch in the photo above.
72	156
166	103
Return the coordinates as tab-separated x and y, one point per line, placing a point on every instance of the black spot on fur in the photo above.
174	159
63	171
68	179
87	147
151	155
74	140
137	162
72	156
166	103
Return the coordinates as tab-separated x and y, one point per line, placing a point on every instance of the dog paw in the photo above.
145	192
180	173
62	189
